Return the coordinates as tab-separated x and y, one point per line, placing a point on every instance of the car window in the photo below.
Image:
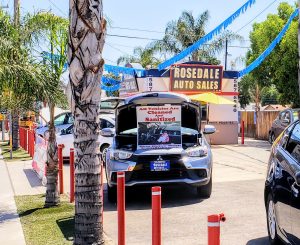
285	136
295	115
293	146
70	119
105	124
59	120
109	124
281	115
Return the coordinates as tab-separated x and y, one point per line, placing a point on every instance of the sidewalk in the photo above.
11	232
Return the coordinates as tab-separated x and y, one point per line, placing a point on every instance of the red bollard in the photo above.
243	132
26	140
102	191
72	176
214	228
121	207
156	215
60	169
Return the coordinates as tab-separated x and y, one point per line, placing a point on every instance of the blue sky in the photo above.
153	16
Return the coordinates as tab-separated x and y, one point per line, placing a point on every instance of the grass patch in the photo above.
18	155
46	226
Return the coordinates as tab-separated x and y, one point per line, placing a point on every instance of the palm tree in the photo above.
143	56
29	80
53	31
86	41
185	31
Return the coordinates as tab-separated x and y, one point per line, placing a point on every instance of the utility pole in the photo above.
226	52
16	12
299	49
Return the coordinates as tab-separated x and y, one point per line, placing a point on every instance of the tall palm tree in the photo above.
86	41
30	80
187	30
144	56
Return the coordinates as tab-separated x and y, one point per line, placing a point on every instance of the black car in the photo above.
282	187
284	119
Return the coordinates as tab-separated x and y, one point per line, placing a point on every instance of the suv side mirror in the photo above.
209	129
285	121
107	132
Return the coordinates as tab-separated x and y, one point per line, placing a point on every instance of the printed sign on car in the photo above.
159	127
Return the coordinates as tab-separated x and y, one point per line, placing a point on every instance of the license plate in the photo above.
160	165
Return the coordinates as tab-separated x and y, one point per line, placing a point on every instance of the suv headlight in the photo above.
120	154
199	151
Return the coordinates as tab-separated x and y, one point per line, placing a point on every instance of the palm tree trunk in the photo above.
86	40
15	130
52	194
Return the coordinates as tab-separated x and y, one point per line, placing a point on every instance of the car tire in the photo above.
103	151
205	191
271	222
271	138
112	194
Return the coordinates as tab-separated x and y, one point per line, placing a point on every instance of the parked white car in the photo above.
107	126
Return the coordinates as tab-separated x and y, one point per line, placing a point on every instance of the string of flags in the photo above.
207	37
271	47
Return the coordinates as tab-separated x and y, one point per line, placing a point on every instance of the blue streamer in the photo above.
109	84
110	88
273	44
207	37
124	70
110	81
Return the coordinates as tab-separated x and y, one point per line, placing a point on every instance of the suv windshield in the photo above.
110	104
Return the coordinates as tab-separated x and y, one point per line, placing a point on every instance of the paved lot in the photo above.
238	182
238	178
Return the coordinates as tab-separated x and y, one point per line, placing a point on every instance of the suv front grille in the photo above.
142	169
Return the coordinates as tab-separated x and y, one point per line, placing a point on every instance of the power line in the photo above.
135	29
256	16
133	37
51	2
117	49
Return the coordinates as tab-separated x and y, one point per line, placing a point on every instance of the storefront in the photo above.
195	78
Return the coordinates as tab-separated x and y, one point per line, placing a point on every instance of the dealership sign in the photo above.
159	127
128	85
194	78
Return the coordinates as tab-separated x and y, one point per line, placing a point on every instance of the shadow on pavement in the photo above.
66	226
33	180
139	198
259	241
4	216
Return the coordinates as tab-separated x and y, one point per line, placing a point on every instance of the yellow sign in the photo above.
2	117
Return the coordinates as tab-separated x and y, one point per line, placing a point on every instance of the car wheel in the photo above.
103	153
271	220
271	138
205	191
112	194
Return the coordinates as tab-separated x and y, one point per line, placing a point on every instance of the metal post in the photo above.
156	215
60	169
121	207
243	132
299	50
10	135
213	225
226	53
3	130
72	177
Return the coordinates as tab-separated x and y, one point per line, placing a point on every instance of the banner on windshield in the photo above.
159	127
